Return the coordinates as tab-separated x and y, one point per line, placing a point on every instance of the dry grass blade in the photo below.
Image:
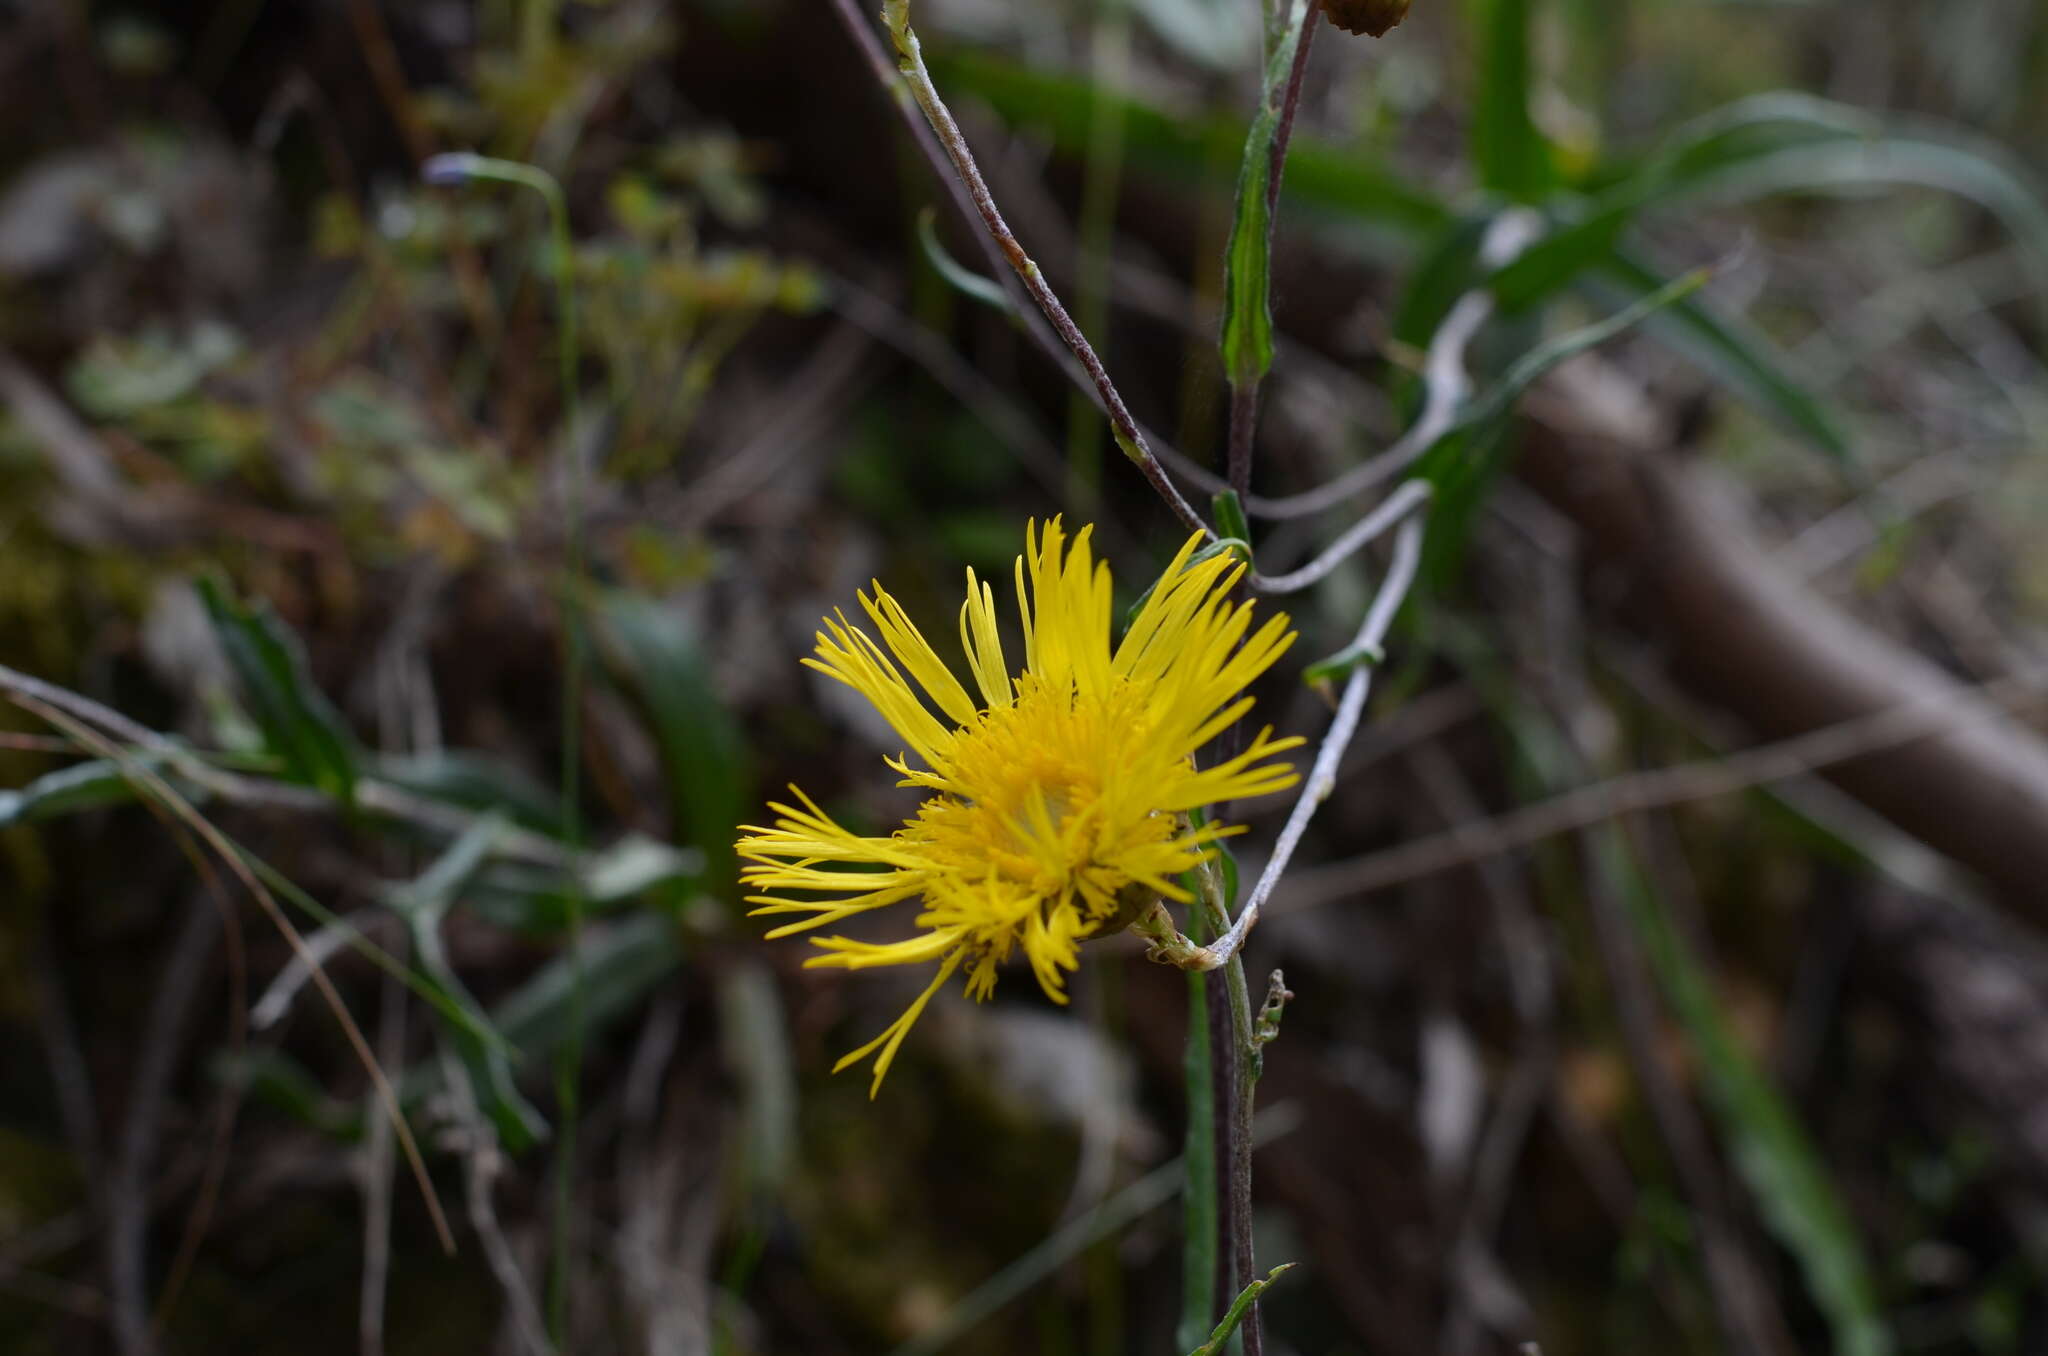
161	791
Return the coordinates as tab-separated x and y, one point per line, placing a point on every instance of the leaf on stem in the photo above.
965	280
1242	1305
299	724
1248	261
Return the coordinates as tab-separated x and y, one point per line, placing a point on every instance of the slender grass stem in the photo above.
457	168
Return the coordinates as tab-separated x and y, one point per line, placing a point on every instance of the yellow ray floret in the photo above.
1047	793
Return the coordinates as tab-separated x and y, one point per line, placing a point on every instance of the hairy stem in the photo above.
896	14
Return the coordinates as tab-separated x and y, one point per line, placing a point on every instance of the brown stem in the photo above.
1128	435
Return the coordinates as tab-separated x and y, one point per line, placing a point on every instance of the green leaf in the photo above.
1462	463
423	904
276	1080
1239	1307
1438	465
82	786
1231	523
655	655
1780	143
754	1034
1447	269
539	901
1512	157
1779	1165
1337	181
477	782
1736	352
964	279
1235	546
1525	370
621	961
1248	260
299	724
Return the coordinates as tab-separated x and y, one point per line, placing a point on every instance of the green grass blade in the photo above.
1511	155
91	785
1772	1154
963	279
1753	367
659	661
622	962
423	904
1133	1203
1334	181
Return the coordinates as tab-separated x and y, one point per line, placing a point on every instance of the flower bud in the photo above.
1366	16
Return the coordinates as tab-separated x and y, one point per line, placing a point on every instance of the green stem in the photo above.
1234	1071
454	169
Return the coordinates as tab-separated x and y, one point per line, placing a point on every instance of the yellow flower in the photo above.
1049	795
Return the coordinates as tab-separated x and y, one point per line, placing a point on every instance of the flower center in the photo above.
1030	795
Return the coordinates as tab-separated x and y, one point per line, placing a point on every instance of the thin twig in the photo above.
1391	510
375	797
164	793
884	70
1128	435
481	1163
1322	777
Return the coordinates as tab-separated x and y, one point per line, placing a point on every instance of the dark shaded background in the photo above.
1549	1068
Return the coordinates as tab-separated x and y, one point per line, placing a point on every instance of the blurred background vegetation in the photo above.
1612	1033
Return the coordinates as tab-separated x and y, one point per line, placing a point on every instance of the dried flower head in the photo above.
1051	793
1366	16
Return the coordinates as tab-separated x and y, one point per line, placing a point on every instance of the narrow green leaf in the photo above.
1462	463
1776	1161
423	904
1525	370
272	1078
1774	144
1231	523
299	724
82	786
1736	352
655	656
1248	260
964	279
539	902
1511	155
1337	181
1323	672
1447	269
622	962
477	782
1236	546
1239	1307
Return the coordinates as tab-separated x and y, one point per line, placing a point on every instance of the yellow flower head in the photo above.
1047	796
